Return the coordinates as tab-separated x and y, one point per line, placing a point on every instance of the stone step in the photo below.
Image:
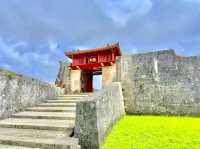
69	98
15	147
36	138
62	101
74	95
57	105
52	109
46	143
40	124
46	126
34	133
45	115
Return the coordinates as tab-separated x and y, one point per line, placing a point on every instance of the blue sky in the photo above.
35	33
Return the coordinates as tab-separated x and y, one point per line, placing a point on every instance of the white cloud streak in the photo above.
121	11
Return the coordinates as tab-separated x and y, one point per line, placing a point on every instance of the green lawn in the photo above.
155	132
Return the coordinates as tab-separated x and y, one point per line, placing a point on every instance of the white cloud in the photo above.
21	43
41	65
8	50
53	45
25	59
120	11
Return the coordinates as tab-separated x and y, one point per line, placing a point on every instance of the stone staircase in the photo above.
46	126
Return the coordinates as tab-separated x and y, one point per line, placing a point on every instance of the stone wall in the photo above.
108	74
17	92
160	83
96	116
63	76
75	77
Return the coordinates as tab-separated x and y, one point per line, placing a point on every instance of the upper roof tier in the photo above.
110	47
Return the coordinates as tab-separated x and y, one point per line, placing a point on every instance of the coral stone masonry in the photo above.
160	83
17	92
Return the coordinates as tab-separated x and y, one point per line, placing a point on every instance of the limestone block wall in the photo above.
75	77
108	74
17	92
96	116
160	83
64	76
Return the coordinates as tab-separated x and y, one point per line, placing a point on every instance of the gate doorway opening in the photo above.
97	82
90	80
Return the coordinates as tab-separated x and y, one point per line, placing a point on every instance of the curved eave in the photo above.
82	52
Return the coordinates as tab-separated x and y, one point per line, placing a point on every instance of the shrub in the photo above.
10	75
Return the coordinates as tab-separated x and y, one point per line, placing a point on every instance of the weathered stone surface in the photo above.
108	74
42	124
45	115
18	92
160	83
75	77
15	147
64	76
52	109
96	116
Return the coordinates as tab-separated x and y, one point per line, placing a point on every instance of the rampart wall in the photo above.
160	83
18	92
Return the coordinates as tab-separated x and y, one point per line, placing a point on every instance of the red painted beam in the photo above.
92	66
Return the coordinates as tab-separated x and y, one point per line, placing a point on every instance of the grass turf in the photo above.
154	132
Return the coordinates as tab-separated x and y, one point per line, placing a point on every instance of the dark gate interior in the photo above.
87	80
